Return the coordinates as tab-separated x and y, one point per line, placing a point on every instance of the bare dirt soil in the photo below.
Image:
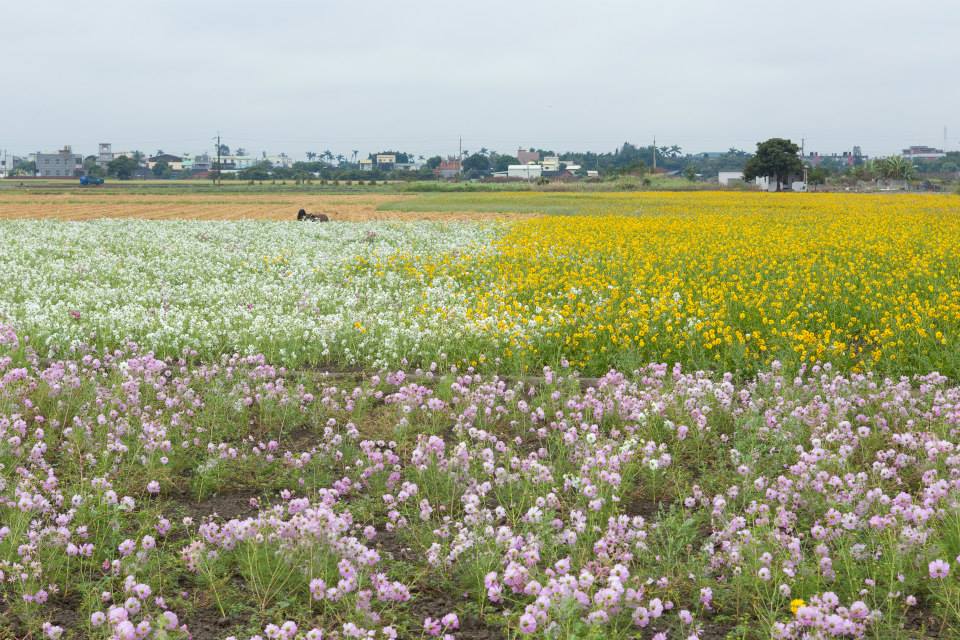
216	206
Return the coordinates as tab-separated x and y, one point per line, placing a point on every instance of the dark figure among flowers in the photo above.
303	216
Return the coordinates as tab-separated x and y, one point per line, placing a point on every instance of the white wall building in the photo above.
551	163
525	171
726	177
280	161
920	152
7	160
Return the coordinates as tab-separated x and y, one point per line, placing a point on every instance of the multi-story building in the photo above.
449	168
551	164
835	160
62	164
385	161
174	162
526	157
279	161
921	152
7	162
104	154
202	162
235	163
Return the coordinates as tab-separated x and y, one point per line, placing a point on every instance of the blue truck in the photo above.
90	181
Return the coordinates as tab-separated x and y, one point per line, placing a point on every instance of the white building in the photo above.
766	183
525	171
104	154
551	163
923	153
7	160
726	177
234	163
770	184
279	161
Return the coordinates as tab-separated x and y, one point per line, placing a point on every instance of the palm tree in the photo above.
327	154
897	168
311	155
355	152
340	159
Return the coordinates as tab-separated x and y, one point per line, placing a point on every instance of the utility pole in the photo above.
219	164
803	154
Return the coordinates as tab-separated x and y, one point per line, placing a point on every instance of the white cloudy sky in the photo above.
298	75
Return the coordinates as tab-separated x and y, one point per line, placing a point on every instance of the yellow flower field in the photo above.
720	280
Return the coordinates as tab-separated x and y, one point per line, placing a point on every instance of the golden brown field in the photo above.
216	206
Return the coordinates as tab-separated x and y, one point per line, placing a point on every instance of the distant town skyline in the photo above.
313	76
347	155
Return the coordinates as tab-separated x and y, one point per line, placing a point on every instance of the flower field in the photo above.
711	415
719	281
865	289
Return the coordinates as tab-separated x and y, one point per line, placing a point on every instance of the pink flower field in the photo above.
167	498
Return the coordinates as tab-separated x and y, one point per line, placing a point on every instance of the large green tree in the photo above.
503	162
122	167
477	162
25	168
775	158
260	171
162	169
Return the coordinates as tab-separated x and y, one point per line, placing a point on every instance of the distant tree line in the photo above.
775	157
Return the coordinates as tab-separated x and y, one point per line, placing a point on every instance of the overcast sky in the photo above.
301	75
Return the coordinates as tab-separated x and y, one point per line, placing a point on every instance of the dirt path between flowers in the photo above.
217	206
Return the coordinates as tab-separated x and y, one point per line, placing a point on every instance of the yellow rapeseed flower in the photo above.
719	279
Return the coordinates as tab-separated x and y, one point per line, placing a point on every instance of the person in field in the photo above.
303	216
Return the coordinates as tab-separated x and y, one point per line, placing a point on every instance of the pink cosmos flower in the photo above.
171	620
450	622
318	588
938	569
528	624
432	627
